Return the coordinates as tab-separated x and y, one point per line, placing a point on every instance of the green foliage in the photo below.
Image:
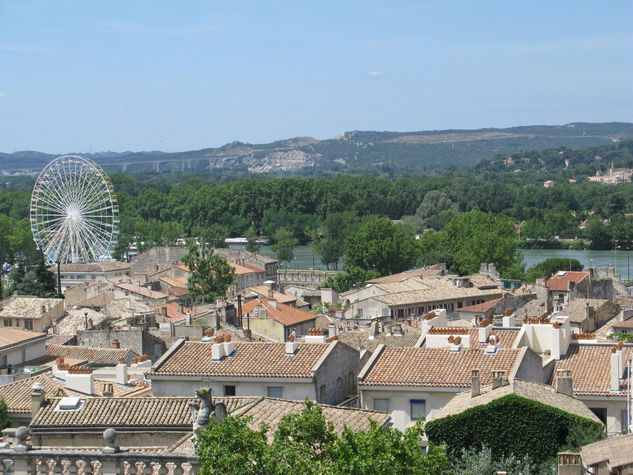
436	204
284	245
480	461
306	443
210	275
329	238
548	267
350	278
38	281
251	240
625	337
213	235
509	425
4	415
382	247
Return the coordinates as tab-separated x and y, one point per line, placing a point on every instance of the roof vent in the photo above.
69	404
561	273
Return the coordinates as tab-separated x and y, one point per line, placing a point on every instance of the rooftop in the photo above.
577	308
616	451
560	281
590	367
17	395
173	311
284	314
101	356
281	297
437	367
249	359
108	266
26	306
527	389
360	339
140	290
420	272
437	290
11	336
481	307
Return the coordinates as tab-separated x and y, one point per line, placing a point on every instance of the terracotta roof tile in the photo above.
437	367
528	389
360	339
140	290
480	307
560	282
23	306
617	451
248	360
173	312
284	314
12	336
102	356
506	337
590	367
282	297
17	395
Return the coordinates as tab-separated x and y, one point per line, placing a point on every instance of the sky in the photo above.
88	76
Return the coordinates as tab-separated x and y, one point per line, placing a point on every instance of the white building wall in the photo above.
292	391
25	353
400	403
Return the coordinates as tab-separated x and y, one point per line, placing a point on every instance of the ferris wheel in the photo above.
74	211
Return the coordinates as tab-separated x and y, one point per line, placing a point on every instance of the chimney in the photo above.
499	379
617	366
120	373
291	345
108	390
229	344
43	311
188	320
217	349
37	398
564	382
485	327
80	379
273	303
373	330
116	344
476	386
271	293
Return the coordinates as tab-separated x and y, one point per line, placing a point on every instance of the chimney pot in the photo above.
476	383
116	344
37	398
564	383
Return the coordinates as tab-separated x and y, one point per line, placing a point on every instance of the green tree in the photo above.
251	239
548	267
598	233
284	245
329	238
210	275
477	237
350	278
381	246
306	443
434	203
214	235
38	281
4	415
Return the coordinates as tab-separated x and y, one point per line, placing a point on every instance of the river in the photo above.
305	259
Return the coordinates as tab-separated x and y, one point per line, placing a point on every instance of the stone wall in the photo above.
338	374
137	340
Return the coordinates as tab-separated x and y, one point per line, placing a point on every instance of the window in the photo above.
321	393
28	325
624	421
418	408
7	322
600	412
275	391
229	390
3	361
381	405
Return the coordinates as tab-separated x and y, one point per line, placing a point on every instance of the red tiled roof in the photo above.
590	367
480	307
172	311
105	356
12	336
436	367
506	336
560	282
248	360
284	314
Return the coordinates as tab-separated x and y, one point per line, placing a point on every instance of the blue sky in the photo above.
81	76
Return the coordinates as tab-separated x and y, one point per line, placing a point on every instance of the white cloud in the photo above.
375	73
3	94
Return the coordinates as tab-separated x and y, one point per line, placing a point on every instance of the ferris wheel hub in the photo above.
73	213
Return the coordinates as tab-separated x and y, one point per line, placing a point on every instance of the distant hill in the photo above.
352	151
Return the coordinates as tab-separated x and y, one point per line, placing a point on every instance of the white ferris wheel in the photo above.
74	211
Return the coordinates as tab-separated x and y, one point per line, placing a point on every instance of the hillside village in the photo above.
128	351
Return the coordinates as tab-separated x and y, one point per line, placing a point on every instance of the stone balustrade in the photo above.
64	461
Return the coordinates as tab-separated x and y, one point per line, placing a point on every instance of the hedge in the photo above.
509	425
